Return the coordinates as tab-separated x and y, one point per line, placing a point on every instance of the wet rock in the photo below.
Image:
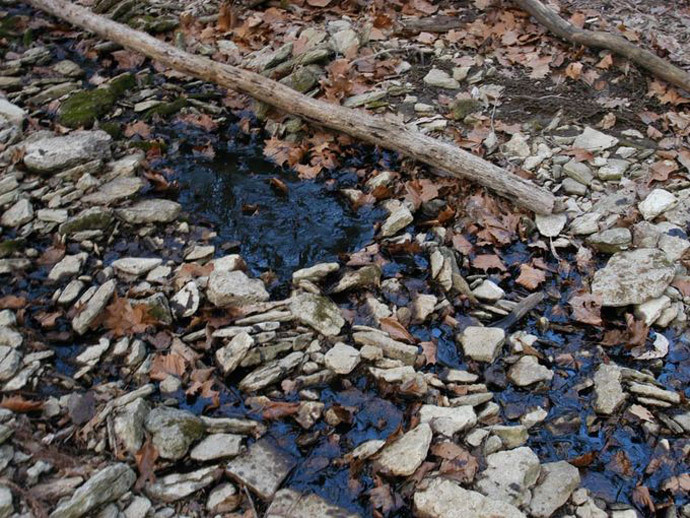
550	225
217	446
527	371
400	216
593	140
150	211
95	218
608	389
288	503
448	420
128	424
93	307
105	486
262	468
440	79
509	475
482	344
342	358
6	505
633	277
185	302
180	485
234	288
229	356
611	241
651	310
315	273
403	456
20	213
444	498
556	483
114	191
270	373
223	498
488	291
319	312
365	277
132	267
13	113
68	266
391	348
10	338
57	153
173	431
657	202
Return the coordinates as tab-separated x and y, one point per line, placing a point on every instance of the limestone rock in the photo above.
593	140
319	312
18	214
550	225
270	372
406	454
150	211
93	307
342	358
289	503
179	485
448	420
234	288
440	79
509	475
262	468
135	266
657	202
527	371
608	389
217	446
482	344
229	356
173	431
56	153
557	482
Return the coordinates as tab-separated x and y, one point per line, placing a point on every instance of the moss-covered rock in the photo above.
95	218
461	108
10	246
83	108
166	109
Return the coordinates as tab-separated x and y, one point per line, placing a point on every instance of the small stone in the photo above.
342	358
180	485
231	355
107	485
448	420
114	191
488	291
593	140
651	310
6	505
290	503
223	498
270	372
611	241
365	277
400	217
12	112
315	273
138	508
509	475
403	456
510	436
185	302
93	307
608	389
150	211
262	468
443	498
345	42
516	147
234	288
95	218
128	424
319	312
557	482
217	446
20	213
173	431
656	203
391	348
482	344
68	266
550	225
135	266
10	361
574	187
440	79
613	170
579	172
633	277
527	371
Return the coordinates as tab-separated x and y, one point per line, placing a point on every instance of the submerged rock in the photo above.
633	277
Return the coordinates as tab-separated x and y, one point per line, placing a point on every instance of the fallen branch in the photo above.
603	40
359	124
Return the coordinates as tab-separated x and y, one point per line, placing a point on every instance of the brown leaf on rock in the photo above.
394	328
165	365
12	302
429	352
139	128
584	460
643	498
128	59
586	308
662	169
146	464
487	262
637	331
19	405
123	318
51	255
457	464
530	277
279	409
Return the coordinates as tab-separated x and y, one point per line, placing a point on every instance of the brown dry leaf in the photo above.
684	158
137	128
584	460
165	365
20	405
279	409
424	7
661	170
128	59
278	150
608	121
683	285
394	328
606	62
637	331
226	17
146	464
48	320
620	464
643	498
124	319
203	121
12	302
574	70
530	277
681	483
429	352
586	308
457	464
462	244
51	255
488	261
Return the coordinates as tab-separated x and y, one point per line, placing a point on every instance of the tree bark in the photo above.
603	40
359	124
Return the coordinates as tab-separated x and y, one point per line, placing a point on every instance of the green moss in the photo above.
10	246
461	108
166	109
111	128
83	108
192	428
90	219
8	27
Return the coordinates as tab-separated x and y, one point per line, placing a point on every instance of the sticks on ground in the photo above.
603	40
359	124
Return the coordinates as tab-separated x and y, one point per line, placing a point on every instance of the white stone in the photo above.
482	344
135	266
319	312
93	307
657	202
68	266
593	140
20	213
223	498
400	216
448	420
56	153
550	225
229	356
403	456
651	310
217	446
342	358
527	371
608	390
557	482
186	301
176	486
488	291
516	147
441	79
234	288
509	475
12	112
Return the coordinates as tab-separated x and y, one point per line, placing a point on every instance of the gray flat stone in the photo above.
262	468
